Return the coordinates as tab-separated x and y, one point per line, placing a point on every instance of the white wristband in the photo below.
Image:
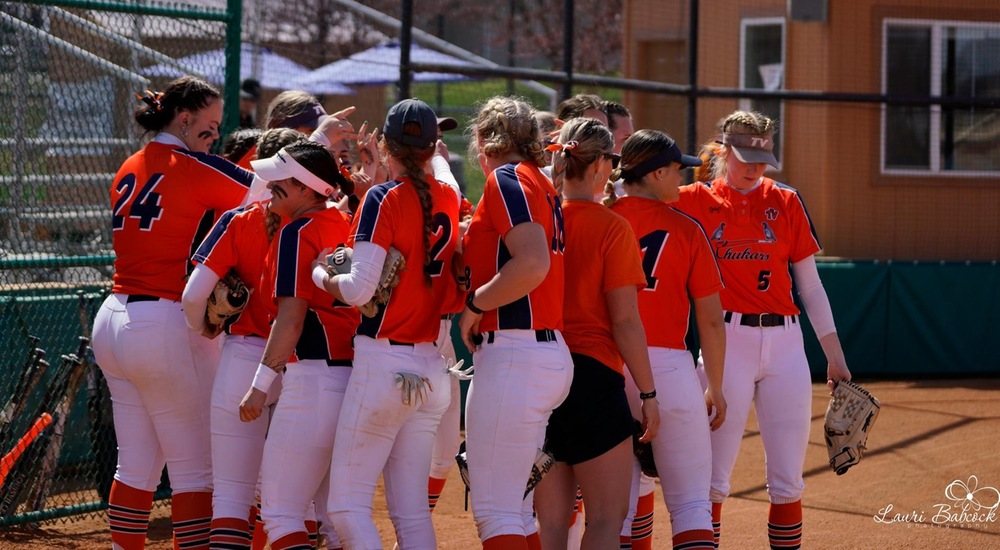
320	138
264	377
319	277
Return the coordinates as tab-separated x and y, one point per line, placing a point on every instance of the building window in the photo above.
940	58
762	67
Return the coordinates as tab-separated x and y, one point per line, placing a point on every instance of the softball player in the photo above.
757	227
160	373
239	242
309	340
514	251
380	432
679	268
590	433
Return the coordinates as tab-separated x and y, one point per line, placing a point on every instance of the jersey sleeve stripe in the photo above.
205	248
286	269
812	228
708	243
204	227
370	210
512	193
220	165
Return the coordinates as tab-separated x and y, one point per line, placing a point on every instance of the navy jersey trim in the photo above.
371	326
204	227
512	194
220	165
371	209
802	203
286	268
517	314
208	245
313	343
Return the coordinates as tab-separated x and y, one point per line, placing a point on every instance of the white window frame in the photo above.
745	104
937	27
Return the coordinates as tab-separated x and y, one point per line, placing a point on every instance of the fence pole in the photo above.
567	88
234	50
692	107
405	39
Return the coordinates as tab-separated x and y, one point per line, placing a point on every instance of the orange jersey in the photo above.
513	194
391	215
164	201
244	161
755	237
678	263
600	256
239	242
328	326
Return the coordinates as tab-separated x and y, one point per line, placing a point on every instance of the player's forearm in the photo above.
199	287
712	337
285	333
631	341
833	350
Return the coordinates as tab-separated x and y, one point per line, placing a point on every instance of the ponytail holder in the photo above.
346	172
152	99
564	147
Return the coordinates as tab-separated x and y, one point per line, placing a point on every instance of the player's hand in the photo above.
441	150
362	183
650	419
252	405
336	127
715	399
468	326
835	372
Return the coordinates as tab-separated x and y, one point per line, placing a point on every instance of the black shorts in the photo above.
594	418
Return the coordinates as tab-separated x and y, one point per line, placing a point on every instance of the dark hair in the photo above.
614	109
239	142
591	139
577	105
270	142
414	159
318	160
186	93
286	105
638	148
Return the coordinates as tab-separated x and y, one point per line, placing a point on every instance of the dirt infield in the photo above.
931	438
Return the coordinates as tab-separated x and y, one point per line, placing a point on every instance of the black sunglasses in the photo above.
614	157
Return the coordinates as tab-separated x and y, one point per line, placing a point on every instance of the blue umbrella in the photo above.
380	65
276	72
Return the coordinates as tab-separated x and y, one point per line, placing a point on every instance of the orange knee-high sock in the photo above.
230	533
624	543
695	539
434	488
312	529
642	525
293	541
258	535
506	542
716	521
128	514
534	541
784	525
192	515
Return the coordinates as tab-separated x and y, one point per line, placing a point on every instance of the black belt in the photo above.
541	335
339	363
397	343
448	316
132	298
760	319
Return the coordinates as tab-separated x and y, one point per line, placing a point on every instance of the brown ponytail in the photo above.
414	159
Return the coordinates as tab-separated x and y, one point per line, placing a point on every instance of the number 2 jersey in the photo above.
754	236
517	193
678	263
391	215
164	200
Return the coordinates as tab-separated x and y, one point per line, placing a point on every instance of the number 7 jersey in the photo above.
755	236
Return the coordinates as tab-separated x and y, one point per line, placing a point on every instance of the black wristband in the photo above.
472	307
645	396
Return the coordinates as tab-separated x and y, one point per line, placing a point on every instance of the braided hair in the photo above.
741	122
414	159
507	125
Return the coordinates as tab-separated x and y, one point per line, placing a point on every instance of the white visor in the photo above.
283	166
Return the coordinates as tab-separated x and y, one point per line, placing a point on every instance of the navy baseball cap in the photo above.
671	154
412	110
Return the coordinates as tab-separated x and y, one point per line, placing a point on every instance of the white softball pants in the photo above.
237	447
377	434
446	440
517	383
682	447
299	443
765	366
160	376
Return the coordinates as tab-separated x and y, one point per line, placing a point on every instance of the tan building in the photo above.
896	183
